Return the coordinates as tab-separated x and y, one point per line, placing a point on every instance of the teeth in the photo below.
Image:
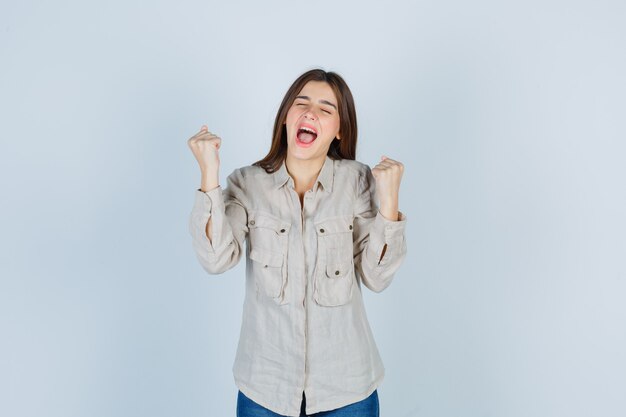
308	130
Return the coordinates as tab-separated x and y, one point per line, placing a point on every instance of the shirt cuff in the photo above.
208	201
385	231
389	228
205	205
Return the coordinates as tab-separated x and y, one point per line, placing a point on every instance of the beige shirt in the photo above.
304	325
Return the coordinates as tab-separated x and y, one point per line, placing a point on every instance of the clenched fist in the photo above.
205	147
388	174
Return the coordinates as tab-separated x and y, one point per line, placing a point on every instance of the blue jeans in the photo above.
368	407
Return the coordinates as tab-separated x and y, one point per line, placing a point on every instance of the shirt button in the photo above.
321	230
350	227
252	222
282	230
336	272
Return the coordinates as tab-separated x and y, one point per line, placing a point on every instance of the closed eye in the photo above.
302	104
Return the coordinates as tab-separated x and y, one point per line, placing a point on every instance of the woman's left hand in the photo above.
388	174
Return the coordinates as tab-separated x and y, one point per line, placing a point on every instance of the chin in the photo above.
302	154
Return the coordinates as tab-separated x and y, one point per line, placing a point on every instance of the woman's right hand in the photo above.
205	146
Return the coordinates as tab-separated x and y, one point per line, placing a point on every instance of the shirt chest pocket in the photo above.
269	242
334	277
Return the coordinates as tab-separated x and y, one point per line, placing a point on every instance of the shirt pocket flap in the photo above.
334	225
266	258
264	220
337	269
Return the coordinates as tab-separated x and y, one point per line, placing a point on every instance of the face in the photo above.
315	107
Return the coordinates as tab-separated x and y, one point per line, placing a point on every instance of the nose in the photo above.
309	115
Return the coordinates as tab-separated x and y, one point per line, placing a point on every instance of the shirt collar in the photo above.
325	177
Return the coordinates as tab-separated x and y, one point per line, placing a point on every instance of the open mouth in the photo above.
306	134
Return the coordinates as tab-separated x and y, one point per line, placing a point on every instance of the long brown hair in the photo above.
339	149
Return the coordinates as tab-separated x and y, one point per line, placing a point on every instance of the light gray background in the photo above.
508	116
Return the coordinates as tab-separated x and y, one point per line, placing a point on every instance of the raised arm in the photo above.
379	242
226	210
217	223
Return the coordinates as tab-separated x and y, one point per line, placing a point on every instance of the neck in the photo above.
304	172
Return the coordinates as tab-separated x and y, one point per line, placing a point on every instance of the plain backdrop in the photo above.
508	117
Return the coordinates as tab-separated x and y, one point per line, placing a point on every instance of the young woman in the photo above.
317	224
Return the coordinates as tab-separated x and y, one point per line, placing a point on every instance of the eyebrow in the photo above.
321	101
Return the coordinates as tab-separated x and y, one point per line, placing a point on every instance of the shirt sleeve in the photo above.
229	229
379	243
